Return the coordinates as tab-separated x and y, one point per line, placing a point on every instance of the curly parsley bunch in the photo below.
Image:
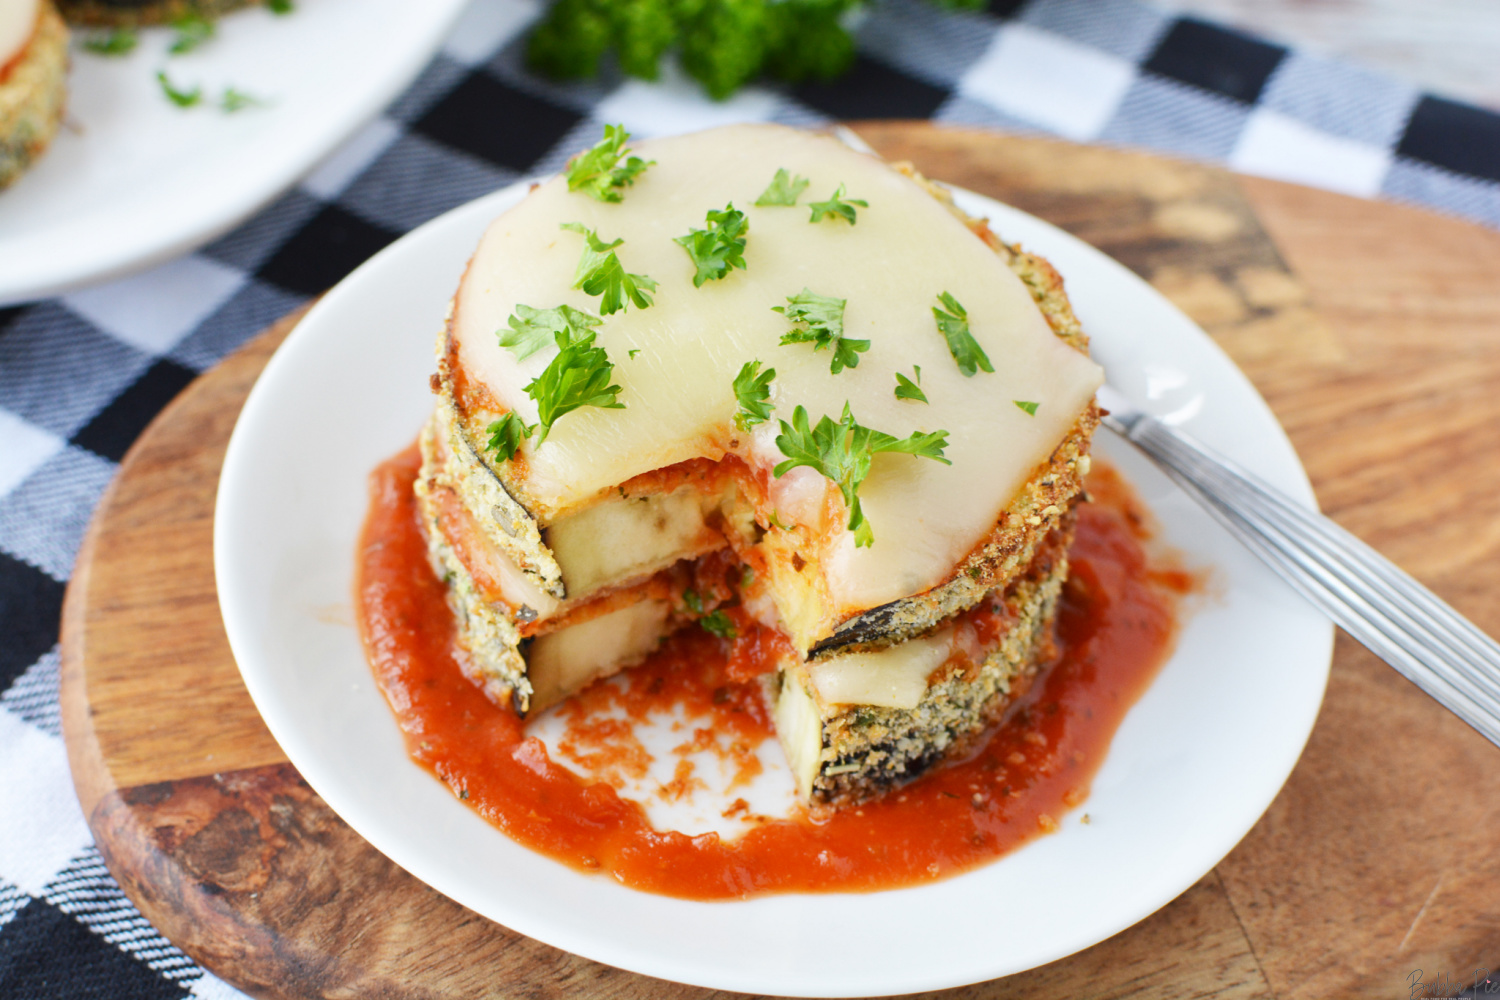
723	44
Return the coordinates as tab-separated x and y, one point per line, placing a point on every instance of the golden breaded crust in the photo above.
33	92
486	632
868	750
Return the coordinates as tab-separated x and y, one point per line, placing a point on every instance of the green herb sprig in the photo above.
578	377
720	624
179	97
907	389
784	190
506	435
843	450
718	248
533	329
821	320
752	387
119	42
598	171
836	207
954	326
237	100
1028	407
601	273
193	30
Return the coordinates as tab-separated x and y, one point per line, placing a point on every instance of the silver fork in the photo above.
1394	616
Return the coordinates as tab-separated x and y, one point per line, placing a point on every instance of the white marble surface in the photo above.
1447	47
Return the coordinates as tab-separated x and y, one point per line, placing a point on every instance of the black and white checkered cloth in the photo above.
82	375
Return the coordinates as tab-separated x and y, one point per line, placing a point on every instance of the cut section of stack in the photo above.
891	646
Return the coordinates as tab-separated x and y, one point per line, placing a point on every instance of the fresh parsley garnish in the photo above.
719	624
822	319
785	189
533	329
1030	408
954	326
598	171
280	6
181	98
119	42
192	31
506	435
579	376
237	100
842	451
693	601
907	389
718	248
752	387
836	206
601	273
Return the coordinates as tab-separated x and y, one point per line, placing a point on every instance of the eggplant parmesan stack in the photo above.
755	380
33	85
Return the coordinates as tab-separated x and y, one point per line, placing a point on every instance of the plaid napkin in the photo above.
82	375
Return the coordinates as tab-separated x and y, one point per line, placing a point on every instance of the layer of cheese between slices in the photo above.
17	23
891	266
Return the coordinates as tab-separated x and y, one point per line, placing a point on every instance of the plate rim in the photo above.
592	949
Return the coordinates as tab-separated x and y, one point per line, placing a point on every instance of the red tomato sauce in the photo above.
1115	627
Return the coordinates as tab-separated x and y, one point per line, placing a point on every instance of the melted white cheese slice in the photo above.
17	23
905	249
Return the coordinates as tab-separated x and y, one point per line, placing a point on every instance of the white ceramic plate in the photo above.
132	180
1192	768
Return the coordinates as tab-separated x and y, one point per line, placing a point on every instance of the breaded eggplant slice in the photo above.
33	93
938	693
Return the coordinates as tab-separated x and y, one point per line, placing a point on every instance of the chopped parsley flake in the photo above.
784	190
533	329
720	247
237	100
836	207
954	326
280	6
601	273
599	172
1030	408
693	601
822	319
633	352
752	387
506	435
181	98
907	389
719	624
842	451
579	376
119	42
192	31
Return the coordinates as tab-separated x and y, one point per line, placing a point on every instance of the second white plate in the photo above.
1192	768
133	180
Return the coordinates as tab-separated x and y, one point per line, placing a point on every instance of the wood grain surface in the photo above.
1372	330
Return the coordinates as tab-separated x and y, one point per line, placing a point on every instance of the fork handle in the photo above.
1393	615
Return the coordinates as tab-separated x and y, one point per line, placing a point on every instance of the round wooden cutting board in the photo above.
1372	330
